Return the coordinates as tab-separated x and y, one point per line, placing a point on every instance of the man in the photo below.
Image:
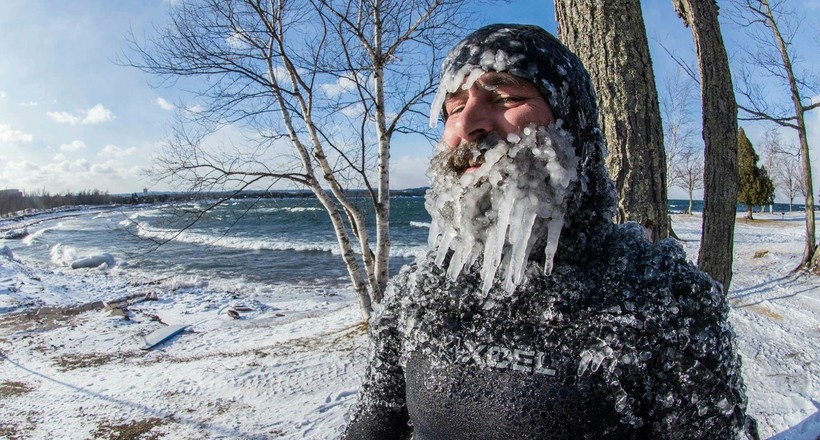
533	316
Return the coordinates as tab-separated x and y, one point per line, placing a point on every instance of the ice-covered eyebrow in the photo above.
489	81
495	79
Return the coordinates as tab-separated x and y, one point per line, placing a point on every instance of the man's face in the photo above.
498	180
497	103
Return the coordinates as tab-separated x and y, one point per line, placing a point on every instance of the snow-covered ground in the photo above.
290	366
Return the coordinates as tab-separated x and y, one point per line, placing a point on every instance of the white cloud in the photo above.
64	118
10	136
3	94
77	173
104	168
25	166
342	85
282	76
29	104
72	147
94	115
67	167
354	110
196	108
115	151
165	105
98	114
237	40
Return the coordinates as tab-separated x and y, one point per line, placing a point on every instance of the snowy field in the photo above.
72	367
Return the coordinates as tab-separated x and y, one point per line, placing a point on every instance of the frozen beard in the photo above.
499	211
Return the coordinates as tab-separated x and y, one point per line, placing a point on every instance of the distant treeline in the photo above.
15	201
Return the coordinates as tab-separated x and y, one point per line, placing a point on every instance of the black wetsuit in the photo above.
624	339
633	343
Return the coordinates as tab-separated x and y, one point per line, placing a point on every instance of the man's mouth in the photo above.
466	158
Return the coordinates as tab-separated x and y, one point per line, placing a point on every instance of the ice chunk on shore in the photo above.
94	261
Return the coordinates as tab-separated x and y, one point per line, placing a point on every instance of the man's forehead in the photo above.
491	80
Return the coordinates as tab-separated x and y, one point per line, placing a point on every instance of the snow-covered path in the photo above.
290	366
776	316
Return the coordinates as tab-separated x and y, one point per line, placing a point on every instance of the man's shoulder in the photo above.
661	264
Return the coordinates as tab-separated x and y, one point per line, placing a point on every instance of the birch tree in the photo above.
684	160
719	136
318	88
772	29
609	36
783	163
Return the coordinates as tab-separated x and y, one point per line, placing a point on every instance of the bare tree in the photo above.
687	173
684	159
610	38
318	87
719	136
784	166
772	28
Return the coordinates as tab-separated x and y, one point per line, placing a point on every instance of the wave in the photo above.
288	209
145	213
146	231
420	224
63	255
408	251
31	238
244	243
300	209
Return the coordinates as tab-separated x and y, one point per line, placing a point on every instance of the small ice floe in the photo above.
6	252
158	336
94	261
14	234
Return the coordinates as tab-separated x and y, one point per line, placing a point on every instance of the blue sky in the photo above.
72	119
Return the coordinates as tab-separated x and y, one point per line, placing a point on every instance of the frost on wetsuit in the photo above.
632	343
624	339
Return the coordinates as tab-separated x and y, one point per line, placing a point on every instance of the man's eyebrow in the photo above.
455	95
495	79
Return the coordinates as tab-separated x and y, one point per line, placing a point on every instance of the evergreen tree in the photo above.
756	188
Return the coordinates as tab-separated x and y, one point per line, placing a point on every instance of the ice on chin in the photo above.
500	210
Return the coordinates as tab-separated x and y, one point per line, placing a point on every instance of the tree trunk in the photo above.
720	136
382	208
609	36
810	258
689	211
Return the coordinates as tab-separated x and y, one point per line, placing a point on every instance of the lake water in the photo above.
270	241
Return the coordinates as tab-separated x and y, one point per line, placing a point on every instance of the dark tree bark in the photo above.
610	38
720	137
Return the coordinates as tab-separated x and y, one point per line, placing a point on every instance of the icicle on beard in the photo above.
498	212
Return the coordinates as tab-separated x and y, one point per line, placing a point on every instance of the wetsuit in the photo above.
632	344
624	339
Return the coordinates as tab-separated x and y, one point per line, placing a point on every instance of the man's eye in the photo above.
455	109
509	99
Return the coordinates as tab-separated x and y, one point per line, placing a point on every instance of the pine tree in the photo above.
756	188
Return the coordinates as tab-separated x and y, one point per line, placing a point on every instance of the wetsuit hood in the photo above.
531	53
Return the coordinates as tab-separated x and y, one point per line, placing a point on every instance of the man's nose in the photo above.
475	120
